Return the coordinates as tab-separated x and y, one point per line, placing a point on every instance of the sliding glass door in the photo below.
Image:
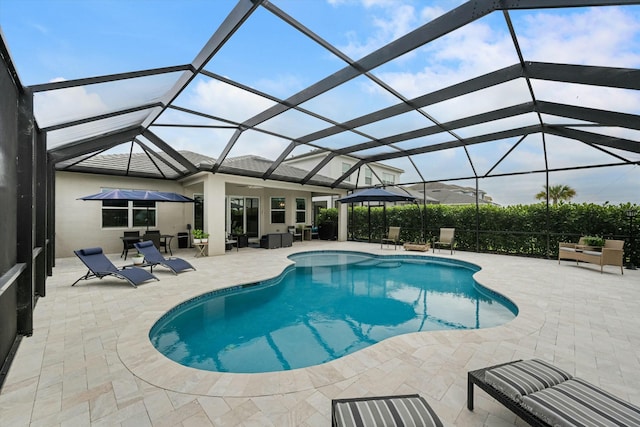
244	214
252	215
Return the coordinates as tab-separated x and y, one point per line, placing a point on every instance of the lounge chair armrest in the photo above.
612	256
612	251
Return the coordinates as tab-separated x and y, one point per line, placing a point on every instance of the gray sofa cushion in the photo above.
408	411
577	403
522	378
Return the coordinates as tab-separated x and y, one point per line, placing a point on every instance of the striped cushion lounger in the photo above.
388	411
543	395
578	403
522	378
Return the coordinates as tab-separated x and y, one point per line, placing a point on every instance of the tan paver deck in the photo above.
89	361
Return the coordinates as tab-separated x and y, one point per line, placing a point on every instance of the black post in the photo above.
631	213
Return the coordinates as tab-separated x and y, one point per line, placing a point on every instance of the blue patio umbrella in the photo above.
151	196
140	195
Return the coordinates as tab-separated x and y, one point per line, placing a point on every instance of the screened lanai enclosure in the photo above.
507	96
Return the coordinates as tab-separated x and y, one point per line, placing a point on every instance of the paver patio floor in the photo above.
89	361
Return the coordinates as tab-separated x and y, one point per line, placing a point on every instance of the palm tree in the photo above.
557	193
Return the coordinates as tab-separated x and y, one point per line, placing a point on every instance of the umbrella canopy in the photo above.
140	195
376	195
151	196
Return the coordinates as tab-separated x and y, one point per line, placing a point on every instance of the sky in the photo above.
52	40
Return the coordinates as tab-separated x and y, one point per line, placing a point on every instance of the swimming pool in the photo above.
329	304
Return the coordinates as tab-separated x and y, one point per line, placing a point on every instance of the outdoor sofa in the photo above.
612	253
544	395
276	240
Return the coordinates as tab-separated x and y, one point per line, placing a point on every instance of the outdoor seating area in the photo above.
433	365
612	253
492	130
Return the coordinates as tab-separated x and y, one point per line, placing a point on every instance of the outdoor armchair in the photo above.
393	236
447	238
100	266
153	257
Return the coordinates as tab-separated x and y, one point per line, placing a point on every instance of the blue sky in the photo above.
55	39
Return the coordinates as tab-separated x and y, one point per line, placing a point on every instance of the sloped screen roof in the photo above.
485	90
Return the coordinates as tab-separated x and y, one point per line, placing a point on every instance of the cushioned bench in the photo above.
544	395
612	253
389	411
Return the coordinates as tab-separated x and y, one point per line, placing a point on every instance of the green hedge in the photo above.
514	230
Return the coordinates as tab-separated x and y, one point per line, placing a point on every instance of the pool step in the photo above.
378	264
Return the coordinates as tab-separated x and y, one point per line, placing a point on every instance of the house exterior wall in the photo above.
79	223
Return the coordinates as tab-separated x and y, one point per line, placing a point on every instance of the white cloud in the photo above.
62	105
223	100
598	36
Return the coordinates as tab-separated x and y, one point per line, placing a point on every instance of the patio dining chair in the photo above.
128	239
295	233
154	236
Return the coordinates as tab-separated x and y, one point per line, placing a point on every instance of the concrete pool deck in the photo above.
90	362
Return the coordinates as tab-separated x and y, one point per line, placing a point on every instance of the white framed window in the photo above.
128	213
368	176
301	210
345	169
278	209
388	178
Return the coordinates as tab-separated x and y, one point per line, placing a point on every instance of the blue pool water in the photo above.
328	305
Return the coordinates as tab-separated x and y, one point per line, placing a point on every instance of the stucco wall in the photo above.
79	223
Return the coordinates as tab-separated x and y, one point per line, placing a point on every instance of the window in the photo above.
115	213
345	169
301	211
368	179
278	210
144	213
388	178
128	213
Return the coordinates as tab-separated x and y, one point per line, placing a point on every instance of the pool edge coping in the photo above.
141	358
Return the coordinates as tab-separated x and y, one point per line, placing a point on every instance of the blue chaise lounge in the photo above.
153	257
100	266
